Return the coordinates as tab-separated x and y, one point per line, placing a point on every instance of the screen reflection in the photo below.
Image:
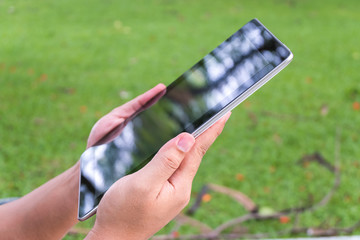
202	91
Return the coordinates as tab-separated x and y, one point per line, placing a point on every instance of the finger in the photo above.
167	160
117	116
140	102
189	166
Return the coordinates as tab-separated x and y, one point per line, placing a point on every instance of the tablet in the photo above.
192	103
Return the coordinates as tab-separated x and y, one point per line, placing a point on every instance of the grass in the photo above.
64	63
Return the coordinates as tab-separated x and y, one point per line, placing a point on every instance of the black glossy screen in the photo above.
196	96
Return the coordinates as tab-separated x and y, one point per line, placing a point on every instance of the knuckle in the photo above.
171	161
185	200
194	168
183	196
202	149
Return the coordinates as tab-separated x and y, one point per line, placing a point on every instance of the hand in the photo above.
110	126
140	204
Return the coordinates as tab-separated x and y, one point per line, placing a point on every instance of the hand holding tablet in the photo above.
140	204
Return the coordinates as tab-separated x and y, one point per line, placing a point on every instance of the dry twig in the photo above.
217	233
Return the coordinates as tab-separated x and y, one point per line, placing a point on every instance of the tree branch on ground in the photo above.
253	214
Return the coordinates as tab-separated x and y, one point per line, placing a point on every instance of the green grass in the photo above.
63	64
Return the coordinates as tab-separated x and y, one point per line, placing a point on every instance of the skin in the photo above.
135	207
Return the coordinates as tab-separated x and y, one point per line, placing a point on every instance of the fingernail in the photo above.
185	143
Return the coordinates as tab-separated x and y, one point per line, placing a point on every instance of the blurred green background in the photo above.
64	64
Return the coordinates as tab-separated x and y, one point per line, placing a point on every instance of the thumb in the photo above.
167	160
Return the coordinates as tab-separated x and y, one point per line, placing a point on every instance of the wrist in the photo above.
49	211
69	186
100	233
